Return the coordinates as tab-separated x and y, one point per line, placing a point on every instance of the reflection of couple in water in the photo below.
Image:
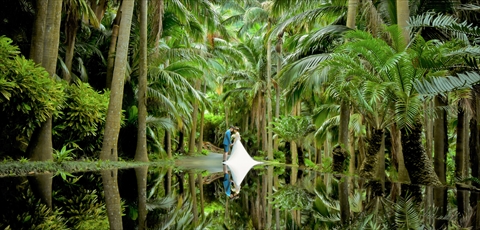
227	184
237	164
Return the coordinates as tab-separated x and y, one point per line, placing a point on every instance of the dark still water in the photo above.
203	193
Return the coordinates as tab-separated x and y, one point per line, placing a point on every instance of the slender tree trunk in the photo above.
343	184
168	144
193	193
440	160
380	171
200	186
141	173
268	97
112	198
278	48
157	28
200	138
168	184
141	151
112	49
264	124
460	159
429	150
112	123
193	130
269	179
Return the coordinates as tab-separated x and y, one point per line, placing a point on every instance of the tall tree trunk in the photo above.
141	173
181	141
112	198
141	151
112	49
200	186
41	185
403	14
440	160
419	166
193	130
460	155
168	144
40	145
112	123
99	7
369	165
193	193
71	27
474	150
202	123
157	27
269	207
278	49
343	141
428	148
380	169
38	34
268	97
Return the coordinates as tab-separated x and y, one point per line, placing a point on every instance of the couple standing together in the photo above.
232	132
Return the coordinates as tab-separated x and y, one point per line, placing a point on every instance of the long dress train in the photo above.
240	162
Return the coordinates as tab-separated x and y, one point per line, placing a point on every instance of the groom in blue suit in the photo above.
227	142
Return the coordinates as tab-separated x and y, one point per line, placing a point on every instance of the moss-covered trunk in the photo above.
369	164
419	166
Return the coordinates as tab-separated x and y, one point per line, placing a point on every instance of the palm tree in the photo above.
76	12
112	125
141	151
40	145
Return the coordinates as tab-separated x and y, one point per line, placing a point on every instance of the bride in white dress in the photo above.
239	161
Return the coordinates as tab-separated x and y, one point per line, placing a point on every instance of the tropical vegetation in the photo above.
383	94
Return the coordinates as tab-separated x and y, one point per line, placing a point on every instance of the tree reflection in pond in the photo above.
196	200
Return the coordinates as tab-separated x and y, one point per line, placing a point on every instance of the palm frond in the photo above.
441	85
460	30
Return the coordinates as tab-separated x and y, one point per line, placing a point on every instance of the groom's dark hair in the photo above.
232	127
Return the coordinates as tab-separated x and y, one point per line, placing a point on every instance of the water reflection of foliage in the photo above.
22	210
82	204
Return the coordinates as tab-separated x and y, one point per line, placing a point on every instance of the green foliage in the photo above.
28	97
213	129
327	163
83	207
310	163
25	210
292	128
63	155
291	198
81	126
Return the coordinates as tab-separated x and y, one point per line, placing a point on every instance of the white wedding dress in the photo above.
239	162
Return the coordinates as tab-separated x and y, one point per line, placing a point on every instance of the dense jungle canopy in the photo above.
380	89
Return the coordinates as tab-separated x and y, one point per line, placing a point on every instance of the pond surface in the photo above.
193	195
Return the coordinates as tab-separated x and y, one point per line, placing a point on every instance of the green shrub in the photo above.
83	120
28	97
